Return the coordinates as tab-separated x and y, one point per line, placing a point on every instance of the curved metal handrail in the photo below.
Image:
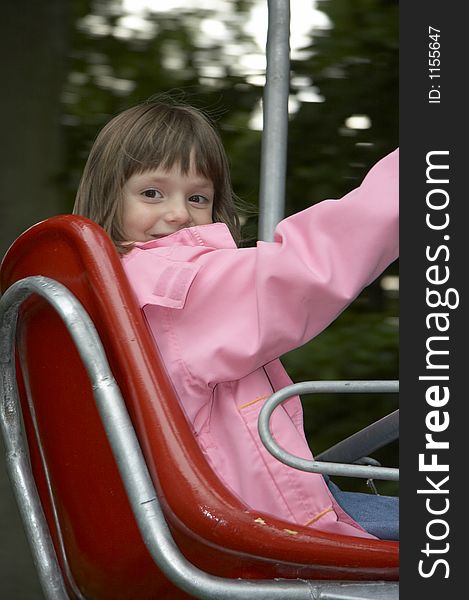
315	466
132	467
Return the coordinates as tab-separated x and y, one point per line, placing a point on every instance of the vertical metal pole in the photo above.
275	111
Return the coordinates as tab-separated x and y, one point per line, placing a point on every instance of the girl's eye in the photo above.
199	200
151	193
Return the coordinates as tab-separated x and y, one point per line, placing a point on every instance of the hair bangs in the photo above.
176	138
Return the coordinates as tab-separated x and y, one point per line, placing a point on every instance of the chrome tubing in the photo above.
16	450
316	466
275	127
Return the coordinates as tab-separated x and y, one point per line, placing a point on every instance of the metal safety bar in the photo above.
132	467
364	442
316	466
275	115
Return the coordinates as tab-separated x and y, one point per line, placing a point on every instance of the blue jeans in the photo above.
379	515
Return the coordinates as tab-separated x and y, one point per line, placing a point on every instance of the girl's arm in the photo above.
245	307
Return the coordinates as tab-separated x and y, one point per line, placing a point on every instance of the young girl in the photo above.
157	181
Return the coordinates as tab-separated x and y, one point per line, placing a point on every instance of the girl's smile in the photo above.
160	202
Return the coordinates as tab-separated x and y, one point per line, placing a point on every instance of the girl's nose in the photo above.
178	213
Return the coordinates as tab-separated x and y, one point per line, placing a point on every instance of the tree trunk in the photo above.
33	42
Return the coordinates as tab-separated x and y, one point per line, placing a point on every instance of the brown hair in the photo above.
148	136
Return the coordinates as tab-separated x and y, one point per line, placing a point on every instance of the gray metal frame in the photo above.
364	442
320	466
132	467
275	127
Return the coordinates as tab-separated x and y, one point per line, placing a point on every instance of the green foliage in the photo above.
353	66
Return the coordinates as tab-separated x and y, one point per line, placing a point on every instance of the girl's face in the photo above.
160	202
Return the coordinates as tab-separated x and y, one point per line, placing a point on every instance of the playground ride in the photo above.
117	499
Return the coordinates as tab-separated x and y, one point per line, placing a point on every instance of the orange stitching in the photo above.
253	402
317	517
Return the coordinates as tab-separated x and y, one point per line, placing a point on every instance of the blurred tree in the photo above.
33	47
353	68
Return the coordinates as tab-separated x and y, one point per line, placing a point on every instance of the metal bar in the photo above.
364	442
17	459
275	111
315	466
133	469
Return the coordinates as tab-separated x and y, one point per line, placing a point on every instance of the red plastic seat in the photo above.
99	547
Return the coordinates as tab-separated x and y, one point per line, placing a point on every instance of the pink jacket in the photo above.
221	316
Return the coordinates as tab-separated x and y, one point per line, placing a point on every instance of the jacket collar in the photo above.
215	235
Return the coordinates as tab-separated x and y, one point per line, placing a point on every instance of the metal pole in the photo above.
275	111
